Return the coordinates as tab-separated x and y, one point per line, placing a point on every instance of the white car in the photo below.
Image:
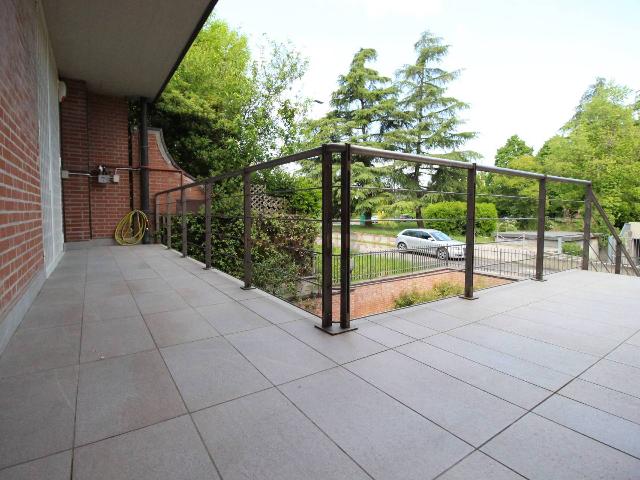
430	241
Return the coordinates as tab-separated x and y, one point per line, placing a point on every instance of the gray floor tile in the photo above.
635	340
278	355
139	273
34	349
387	439
604	427
237	293
264	436
500	384
528	371
466	310
149	285
568	322
112	338
107	308
540	449
95	291
122	394
36	414
464	410
478	466
385	336
627	354
202	296
612	401
44	315
231	318
405	327
432	319
72	295
54	467
582	342
274	311
159	302
178	326
340	348
211	371
170	450
617	376
545	354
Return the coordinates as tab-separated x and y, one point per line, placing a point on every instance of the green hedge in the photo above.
452	217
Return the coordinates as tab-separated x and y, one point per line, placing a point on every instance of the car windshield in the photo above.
443	237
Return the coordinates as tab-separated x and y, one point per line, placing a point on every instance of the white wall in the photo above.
49	143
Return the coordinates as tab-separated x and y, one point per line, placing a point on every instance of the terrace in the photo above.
138	363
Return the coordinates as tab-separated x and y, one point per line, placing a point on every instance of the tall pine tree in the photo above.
430	120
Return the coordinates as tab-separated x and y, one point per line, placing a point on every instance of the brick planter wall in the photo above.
373	298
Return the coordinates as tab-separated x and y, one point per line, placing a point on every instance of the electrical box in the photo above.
64	174
103	178
115	179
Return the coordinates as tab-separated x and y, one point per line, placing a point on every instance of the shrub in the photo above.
454	217
439	290
572	249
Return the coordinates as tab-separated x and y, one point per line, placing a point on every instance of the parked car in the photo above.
430	241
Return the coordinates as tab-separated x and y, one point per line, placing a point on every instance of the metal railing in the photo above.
475	258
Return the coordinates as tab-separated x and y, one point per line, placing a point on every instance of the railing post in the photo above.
542	209
183	211
327	250
247	262
586	231
618	263
470	234
169	221
345	238
207	226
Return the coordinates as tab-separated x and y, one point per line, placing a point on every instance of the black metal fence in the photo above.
327	270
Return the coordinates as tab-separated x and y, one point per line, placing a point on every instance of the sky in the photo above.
525	64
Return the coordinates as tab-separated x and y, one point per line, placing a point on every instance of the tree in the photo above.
430	120
223	109
363	105
514	148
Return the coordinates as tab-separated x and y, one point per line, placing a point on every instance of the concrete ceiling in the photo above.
122	47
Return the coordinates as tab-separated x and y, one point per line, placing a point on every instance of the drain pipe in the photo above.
144	163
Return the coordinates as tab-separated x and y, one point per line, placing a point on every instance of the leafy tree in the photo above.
223	109
429	121
601	143
514	148
363	105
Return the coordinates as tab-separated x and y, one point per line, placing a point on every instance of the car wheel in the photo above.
442	254
402	246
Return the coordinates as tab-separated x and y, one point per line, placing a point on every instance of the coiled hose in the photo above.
131	228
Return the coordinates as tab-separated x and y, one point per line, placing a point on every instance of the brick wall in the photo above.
94	132
21	252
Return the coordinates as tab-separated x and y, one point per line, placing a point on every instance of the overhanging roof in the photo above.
123	47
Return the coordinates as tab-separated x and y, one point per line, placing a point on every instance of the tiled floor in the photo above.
134	363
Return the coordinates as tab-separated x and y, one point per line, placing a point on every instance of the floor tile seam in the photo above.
312	324
273	385
400	402
465	381
477	450
35	459
571	330
324	433
585	403
177	390
435	332
497	370
75	413
521	358
541	341
602	442
530	410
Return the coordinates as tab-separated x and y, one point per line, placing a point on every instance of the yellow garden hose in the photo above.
134	220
